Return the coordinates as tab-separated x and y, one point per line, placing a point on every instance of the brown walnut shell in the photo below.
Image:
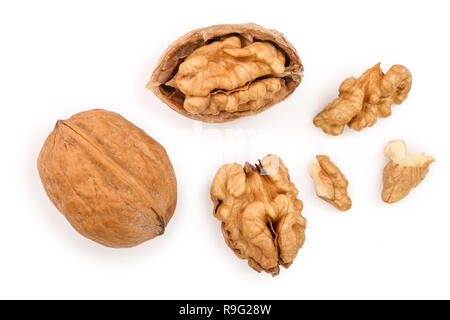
249	33
113	183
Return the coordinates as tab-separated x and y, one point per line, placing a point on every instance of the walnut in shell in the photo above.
361	100
225	72
331	184
260	213
403	172
113	183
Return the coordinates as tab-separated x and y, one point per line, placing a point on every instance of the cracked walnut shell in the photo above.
331	184
225	72
113	183
361	100
260	213
403	172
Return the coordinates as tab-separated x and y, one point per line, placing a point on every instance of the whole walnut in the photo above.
261	216
225	72
112	182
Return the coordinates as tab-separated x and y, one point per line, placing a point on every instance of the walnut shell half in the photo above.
113	183
225	72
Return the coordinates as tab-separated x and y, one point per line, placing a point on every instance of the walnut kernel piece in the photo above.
226	72
252	98
403	172
112	182
331	184
260	213
361	100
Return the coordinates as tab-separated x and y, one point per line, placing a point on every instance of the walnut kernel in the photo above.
403	172
225	72
260	213
361	100
331	184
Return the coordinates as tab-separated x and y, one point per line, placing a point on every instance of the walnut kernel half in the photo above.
331	184
260	213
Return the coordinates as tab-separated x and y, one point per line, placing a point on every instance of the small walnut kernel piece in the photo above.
225	72
331	184
361	100
226	65
260	213
403	172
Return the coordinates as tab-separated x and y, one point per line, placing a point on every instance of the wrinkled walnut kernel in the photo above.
331	184
361	100
260	213
250	98
228	67
225	72
403	172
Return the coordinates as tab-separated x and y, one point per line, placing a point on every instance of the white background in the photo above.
58	58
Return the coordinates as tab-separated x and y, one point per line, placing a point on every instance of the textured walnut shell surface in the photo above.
183	47
113	183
